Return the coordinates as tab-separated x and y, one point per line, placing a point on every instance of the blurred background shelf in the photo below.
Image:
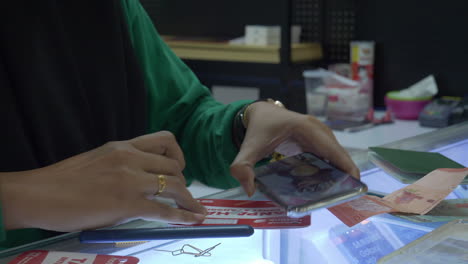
408	49
224	51
275	72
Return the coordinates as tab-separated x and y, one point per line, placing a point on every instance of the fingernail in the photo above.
199	217
203	209
251	189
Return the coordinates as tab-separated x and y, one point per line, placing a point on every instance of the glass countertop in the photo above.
327	240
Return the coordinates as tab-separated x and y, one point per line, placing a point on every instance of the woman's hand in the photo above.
106	186
271	128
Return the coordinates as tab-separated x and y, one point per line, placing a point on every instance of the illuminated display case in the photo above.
327	240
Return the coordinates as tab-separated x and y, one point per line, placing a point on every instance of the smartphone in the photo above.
304	182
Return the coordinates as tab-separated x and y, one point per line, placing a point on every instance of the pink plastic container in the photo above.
403	108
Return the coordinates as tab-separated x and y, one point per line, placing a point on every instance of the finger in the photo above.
252	150
289	148
158	164
242	167
181	195
327	148
338	156
243	172
176	190
152	210
162	143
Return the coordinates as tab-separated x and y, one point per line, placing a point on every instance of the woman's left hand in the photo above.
271	128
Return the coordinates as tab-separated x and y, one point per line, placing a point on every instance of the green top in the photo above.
179	103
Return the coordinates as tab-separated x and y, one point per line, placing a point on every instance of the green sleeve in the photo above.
2	227
179	103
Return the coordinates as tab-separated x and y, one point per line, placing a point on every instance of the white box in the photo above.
269	35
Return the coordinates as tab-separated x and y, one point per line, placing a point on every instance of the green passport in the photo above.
411	165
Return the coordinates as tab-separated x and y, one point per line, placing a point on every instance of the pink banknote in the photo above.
417	198
357	210
423	195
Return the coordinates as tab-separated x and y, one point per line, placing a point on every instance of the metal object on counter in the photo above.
184	250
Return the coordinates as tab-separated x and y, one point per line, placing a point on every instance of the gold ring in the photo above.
161	184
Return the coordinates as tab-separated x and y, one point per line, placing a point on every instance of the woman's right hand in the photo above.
106	186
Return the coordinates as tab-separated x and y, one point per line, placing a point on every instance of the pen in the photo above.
179	232
377	193
359	128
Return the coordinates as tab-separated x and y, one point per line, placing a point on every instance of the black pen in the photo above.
377	193
359	128
162	233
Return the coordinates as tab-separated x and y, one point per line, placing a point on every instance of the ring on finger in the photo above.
162	182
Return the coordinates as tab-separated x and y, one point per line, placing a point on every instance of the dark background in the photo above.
209	18
413	39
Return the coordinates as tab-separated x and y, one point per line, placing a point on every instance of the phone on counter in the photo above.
304	182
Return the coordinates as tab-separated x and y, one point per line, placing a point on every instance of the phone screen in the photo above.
305	182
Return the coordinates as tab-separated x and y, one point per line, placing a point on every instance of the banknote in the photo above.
451	207
446	211
428	218
423	195
357	210
417	198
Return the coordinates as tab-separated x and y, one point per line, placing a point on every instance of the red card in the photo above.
258	214
57	257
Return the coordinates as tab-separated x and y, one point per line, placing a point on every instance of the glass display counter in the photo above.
326	240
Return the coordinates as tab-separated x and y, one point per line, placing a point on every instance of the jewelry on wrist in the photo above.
241	120
244	113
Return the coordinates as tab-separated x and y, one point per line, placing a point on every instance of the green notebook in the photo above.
408	166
